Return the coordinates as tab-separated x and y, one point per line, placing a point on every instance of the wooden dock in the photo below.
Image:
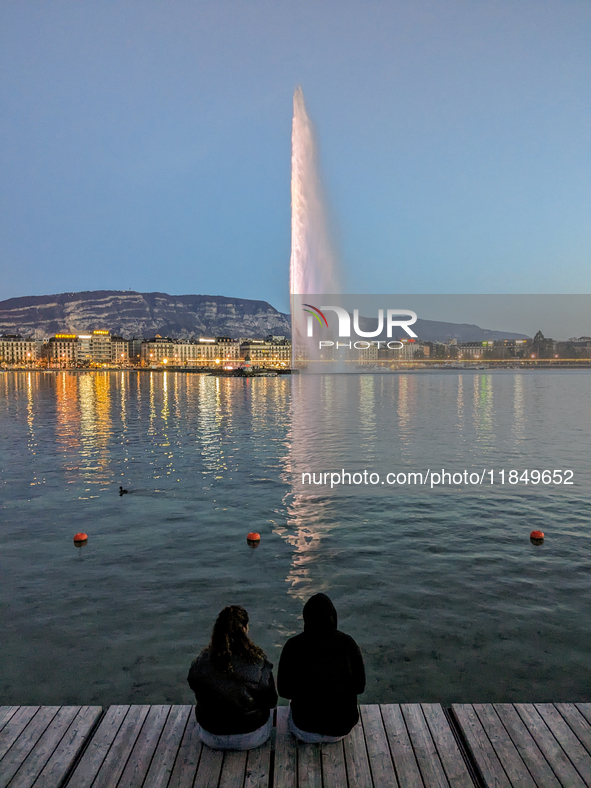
393	746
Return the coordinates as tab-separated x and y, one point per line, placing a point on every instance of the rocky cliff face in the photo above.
132	314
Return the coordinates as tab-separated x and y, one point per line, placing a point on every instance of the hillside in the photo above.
130	314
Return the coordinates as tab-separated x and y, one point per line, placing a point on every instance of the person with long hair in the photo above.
321	671
234	687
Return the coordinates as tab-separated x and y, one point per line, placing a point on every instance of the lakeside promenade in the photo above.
412	745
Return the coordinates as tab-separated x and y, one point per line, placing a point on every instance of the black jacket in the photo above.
232	702
322	672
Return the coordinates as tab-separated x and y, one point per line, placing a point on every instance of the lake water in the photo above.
445	594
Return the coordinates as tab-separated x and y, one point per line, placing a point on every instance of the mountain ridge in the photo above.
130	313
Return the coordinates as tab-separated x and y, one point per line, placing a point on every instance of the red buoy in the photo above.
253	538
80	539
537	537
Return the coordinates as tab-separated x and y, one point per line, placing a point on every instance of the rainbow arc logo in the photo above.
316	313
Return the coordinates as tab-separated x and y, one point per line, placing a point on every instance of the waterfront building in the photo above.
119	351
474	350
157	351
134	351
229	350
411	350
97	348
62	350
273	351
202	352
16	350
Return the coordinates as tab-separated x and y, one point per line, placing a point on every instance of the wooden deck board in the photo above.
577	723
140	757
526	746
233	769
506	751
165	754
356	759
188	756
378	749
258	767
24	743
585	709
577	754
210	766
285	752
6	712
405	762
432	771
65	754
481	749
116	759
309	765
542	745
96	752
549	746
29	768
334	771
15	726
447	748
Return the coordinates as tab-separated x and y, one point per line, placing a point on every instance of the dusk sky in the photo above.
146	145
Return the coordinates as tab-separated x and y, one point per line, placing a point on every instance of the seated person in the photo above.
234	687
321	671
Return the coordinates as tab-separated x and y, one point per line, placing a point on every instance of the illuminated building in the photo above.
62	350
16	350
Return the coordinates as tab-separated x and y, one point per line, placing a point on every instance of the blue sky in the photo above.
146	145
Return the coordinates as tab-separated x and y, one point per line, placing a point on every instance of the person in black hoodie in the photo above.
321	671
233	684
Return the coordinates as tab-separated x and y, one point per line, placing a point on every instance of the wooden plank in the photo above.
285	771
99	746
233	769
210	766
488	764
258	767
62	759
25	742
334	772
526	746
507	752
188	756
585	709
120	750
405	763
309	765
6	712
577	723
32	765
553	752
447	747
164	757
432	771
577	754
15	726
378	750
145	745
356	760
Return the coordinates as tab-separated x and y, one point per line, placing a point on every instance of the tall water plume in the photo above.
313	267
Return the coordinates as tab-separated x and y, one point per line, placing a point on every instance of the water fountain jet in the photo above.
313	265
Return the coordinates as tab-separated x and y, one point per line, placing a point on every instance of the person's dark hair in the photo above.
229	639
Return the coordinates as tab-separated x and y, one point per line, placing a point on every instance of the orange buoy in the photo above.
537	537
253	538
80	539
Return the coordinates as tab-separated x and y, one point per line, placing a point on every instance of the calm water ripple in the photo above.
445	594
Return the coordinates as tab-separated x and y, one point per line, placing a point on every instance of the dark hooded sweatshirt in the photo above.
321	671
